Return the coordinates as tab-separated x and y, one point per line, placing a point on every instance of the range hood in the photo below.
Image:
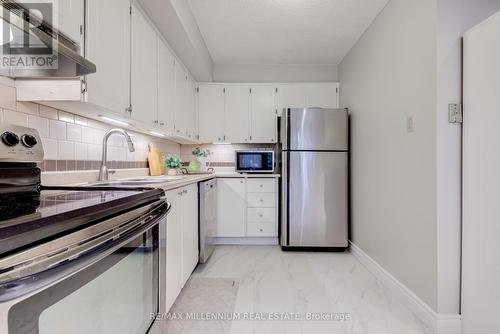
22	27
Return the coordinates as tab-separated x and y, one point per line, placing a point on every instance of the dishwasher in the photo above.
208	218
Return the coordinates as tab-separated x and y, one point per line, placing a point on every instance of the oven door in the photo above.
109	287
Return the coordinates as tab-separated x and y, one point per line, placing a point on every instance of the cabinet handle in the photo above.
179	193
261	200
156	122
260	229
185	191
261	215
262	186
162	124
241	181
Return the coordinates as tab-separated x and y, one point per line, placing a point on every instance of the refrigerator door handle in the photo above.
284	198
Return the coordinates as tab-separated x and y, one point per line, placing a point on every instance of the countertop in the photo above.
190	179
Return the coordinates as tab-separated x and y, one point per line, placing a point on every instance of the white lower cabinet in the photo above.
247	207
231	207
181	239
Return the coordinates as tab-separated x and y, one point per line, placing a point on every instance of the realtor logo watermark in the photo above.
22	46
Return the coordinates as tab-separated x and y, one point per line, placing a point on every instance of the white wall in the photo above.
455	17
481	222
389	75
275	73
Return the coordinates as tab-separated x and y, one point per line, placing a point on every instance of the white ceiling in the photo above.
282	31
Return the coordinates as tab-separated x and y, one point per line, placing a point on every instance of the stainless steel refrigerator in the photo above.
315	159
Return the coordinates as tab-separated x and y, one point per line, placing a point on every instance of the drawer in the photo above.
261	200
261	185
262	230
261	215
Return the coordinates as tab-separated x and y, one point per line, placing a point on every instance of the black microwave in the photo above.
254	161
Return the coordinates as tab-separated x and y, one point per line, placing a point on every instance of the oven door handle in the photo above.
33	282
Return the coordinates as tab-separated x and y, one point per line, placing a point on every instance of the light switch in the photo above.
410	124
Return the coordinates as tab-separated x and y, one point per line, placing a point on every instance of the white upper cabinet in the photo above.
191	108
166	87
180	110
322	95
263	114
108	46
237	114
211	113
291	96
144	70
71	19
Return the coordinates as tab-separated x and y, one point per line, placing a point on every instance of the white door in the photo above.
211	113
481	179
166	87
322	95
174	247
108	46
71	19
291	96
190	252
237	114
144	70
231	207
263	114
180	112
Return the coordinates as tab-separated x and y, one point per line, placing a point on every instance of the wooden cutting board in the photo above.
155	159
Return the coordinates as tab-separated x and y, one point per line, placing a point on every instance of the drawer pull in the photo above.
260	229
261	200
261	215
262	186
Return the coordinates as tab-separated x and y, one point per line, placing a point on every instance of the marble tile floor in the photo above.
289	287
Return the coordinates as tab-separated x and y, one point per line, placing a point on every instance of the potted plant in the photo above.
173	164
200	162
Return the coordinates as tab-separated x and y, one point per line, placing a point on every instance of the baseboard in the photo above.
436	322
247	241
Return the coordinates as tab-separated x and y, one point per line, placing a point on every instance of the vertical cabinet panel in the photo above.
237	114
231	207
144	70
71	19
322	95
211	113
291	96
174	248
191	108
108	46
189	230
263	114
180	100
166	87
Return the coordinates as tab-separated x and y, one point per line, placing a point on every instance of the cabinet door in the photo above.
166	87
322	95
108	46
71	19
237	114
180	113
231	206
190	252
144	70
290	96
211	113
174	247
191	108
263	114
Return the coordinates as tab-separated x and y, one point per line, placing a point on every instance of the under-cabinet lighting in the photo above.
112	120
221	143
156	134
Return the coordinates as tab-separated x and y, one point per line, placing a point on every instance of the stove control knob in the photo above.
29	141
10	139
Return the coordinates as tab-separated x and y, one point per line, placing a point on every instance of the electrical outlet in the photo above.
410	124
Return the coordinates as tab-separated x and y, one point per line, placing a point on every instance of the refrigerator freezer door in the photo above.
317	205
317	129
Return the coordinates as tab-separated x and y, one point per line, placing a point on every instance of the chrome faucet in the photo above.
103	172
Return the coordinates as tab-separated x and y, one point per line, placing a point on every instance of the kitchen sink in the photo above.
137	181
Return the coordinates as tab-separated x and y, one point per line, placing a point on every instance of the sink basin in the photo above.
138	181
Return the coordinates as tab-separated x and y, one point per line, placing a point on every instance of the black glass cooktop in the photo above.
26	218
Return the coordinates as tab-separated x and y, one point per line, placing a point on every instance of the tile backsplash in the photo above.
73	142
